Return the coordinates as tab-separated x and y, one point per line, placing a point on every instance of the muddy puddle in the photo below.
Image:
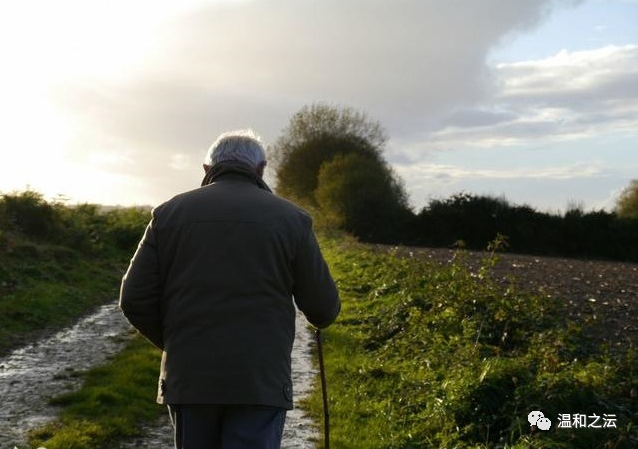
31	375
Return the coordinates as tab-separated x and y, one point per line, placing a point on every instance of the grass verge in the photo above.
46	287
442	356
113	403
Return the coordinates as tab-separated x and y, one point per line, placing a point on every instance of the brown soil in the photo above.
602	295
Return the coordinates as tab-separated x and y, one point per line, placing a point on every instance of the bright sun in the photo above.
45	46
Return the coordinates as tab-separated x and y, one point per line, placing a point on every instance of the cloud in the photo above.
419	67
427	171
607	73
479	117
255	63
552	186
181	162
570	95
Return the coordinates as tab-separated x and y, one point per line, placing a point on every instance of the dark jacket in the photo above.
212	284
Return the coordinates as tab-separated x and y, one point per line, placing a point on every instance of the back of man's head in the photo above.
237	146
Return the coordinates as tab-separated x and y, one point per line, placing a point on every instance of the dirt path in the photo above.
31	375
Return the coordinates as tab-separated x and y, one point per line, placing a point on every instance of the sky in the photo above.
117	102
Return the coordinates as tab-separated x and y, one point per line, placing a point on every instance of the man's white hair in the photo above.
240	146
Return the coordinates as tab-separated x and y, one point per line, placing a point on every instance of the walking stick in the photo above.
324	392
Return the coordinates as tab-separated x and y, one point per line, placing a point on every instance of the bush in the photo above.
28	213
627	203
359	195
317	134
83	227
476	219
126	225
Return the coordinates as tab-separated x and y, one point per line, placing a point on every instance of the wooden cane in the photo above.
324	391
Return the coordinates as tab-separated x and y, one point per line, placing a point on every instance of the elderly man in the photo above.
212	284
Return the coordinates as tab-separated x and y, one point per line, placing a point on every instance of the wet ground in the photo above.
31	375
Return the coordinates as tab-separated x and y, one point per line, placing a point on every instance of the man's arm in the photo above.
314	289
142	289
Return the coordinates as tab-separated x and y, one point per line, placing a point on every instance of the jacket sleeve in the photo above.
314	290
142	289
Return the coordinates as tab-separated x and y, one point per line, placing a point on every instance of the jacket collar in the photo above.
233	168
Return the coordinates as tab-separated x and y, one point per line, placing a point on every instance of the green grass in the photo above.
443	357
115	400
50	279
421	356
45	286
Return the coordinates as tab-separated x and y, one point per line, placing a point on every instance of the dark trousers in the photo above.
227	427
